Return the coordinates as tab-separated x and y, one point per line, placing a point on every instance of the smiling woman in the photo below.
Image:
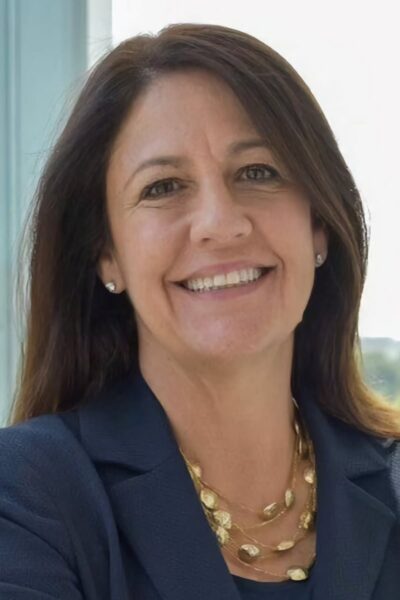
191	420
216	220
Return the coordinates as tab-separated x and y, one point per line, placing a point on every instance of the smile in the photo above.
234	279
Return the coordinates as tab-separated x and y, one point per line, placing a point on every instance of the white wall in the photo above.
99	35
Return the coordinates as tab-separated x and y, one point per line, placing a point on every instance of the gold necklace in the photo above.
225	528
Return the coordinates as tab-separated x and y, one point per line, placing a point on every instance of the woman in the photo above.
191	420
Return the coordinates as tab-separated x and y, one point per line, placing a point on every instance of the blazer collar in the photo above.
126	424
157	508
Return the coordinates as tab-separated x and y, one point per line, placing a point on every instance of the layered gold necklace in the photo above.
253	553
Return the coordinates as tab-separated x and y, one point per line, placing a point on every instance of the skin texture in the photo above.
221	369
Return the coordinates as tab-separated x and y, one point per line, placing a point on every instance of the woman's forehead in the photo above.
181	107
179	119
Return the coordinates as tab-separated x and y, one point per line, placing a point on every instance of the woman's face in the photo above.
193	193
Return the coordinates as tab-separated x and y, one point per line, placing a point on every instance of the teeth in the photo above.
208	282
243	275
234	278
219	280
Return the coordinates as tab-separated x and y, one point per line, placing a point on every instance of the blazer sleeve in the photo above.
36	557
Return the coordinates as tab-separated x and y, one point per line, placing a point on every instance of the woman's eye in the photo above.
163	187
260	172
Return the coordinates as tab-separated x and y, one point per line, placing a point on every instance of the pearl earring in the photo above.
318	260
111	286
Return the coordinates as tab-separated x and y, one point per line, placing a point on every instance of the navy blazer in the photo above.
97	503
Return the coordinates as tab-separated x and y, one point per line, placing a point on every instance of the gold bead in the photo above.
285	545
270	511
197	470
222	536
306	520
289	498
195	480
248	553
309	474
297	573
223	518
208	498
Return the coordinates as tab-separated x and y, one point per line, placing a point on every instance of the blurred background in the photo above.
347	52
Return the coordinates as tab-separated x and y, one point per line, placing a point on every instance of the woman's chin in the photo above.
227	348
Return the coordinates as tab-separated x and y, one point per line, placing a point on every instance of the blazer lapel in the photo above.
157	509
154	500
353	524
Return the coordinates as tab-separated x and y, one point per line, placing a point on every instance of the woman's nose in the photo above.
219	217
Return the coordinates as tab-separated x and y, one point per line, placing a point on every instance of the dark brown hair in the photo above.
78	336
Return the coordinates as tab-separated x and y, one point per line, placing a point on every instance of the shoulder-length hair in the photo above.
78	336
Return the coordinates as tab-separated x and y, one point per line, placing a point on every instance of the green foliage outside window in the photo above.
381	366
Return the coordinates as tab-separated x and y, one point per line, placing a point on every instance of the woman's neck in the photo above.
236	423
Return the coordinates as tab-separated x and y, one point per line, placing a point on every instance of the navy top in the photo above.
282	590
66	500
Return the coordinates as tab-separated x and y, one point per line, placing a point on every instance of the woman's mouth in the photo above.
220	285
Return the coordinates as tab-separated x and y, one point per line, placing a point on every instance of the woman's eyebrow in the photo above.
168	159
237	147
177	161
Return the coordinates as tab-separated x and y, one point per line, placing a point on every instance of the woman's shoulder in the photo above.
44	448
53	505
391	447
43	458
36	435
